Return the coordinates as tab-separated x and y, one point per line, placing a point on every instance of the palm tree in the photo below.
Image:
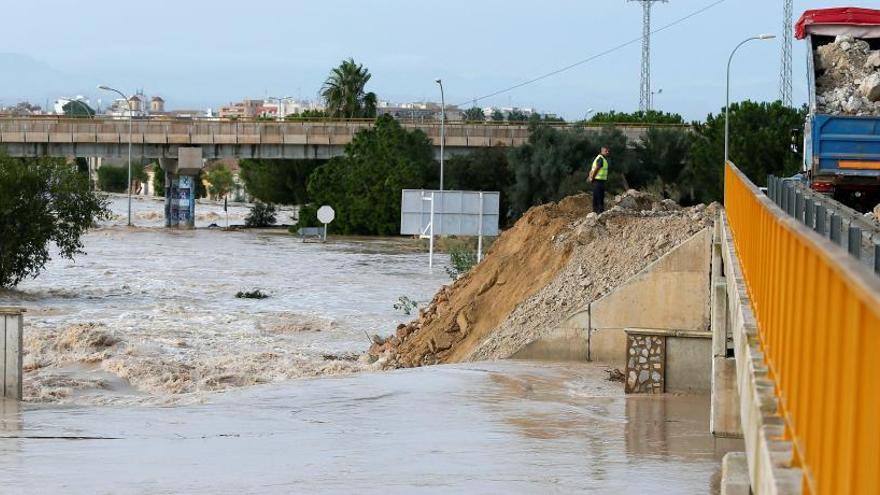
345	94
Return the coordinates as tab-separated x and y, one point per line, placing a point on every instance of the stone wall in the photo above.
646	362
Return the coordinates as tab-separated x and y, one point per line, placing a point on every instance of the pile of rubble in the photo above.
848	81
555	259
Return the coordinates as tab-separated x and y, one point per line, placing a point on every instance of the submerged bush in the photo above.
261	215
256	294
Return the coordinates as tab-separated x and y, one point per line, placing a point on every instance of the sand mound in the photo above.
554	260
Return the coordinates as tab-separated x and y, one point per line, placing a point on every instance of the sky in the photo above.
206	53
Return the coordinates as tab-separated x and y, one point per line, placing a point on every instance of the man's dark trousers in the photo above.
598	196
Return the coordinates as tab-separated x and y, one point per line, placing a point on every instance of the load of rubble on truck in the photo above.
848	78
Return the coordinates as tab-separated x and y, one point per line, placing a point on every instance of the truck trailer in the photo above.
841	150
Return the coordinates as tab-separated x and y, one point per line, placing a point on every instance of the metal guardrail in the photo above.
818	316
842	225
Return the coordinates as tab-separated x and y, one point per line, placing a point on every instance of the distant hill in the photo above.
24	78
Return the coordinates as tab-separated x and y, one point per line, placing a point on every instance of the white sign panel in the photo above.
326	214
455	212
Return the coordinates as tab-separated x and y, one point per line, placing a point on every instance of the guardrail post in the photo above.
771	187
821	220
854	242
784	204
799	205
809	212
877	258
836	224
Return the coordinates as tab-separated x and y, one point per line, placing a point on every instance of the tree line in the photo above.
682	163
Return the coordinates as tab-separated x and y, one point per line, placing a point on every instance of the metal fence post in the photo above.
854	243
799	205
821	220
836	224
809	212
877	258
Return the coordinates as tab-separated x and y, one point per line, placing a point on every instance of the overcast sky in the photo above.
204	53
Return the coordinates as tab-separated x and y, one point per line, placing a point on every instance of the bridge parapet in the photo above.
156	137
809	320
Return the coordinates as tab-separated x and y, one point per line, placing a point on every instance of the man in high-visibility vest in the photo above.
599	176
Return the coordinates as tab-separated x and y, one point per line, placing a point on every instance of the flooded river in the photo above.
145	374
151	315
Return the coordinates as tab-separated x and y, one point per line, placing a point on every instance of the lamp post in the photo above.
727	103
587	115
130	118
279	100
442	133
651	102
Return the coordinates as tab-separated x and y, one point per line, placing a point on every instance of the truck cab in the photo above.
841	149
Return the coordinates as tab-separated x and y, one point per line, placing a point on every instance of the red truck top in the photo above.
854	21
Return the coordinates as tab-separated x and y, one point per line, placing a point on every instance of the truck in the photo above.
841	152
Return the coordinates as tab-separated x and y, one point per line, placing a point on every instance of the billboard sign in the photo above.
472	213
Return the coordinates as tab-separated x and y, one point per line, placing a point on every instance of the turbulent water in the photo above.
151	314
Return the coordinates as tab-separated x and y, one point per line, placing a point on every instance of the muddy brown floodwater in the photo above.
150	315
507	427
144	374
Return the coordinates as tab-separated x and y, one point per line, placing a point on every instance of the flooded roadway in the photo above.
146	375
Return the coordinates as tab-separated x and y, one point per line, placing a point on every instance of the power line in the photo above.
598	55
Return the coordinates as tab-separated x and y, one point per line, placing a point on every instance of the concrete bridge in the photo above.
162	138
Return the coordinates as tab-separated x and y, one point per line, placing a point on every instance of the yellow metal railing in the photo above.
818	316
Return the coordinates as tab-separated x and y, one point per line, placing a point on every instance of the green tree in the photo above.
760	139
364	184
77	109
662	157
345	92
554	163
483	169
278	181
221	181
42	201
640	117
474	114
517	115
497	116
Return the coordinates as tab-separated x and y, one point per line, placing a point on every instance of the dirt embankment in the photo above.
553	261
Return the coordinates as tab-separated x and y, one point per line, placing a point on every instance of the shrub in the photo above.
406	305
261	215
255	294
461	260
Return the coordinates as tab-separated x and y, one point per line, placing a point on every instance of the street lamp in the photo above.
442	132
587	114
651	102
130	118
727	104
279	100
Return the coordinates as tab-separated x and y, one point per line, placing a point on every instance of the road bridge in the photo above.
221	138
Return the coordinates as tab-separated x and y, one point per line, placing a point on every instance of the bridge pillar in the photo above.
181	175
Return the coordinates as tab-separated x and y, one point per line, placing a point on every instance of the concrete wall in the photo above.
11	326
566	344
671	293
689	363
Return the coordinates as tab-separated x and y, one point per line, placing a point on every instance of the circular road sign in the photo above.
326	214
